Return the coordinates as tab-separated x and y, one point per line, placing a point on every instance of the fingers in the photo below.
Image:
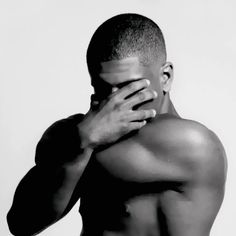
131	88
135	125
140	97
137	119
132	94
140	115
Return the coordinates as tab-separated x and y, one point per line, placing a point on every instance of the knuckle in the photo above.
118	106
150	113
124	127
141	96
142	114
153	93
139	125
108	105
145	114
132	86
115	101
146	82
150	93
123	118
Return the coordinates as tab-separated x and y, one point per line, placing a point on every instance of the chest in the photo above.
123	182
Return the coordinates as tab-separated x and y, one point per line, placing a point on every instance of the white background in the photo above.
43	78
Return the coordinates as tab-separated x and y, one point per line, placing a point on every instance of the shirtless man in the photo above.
138	168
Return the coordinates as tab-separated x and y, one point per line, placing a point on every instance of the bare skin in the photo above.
160	188
166	179
161	177
50	189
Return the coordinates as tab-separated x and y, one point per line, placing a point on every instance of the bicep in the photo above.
193	209
212	165
59	144
207	186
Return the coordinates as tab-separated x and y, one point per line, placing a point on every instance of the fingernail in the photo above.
148	82
155	94
154	112
114	89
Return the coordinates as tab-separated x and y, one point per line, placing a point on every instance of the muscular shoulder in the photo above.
59	140
192	143
62	125
184	134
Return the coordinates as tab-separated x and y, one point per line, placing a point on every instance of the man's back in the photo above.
168	179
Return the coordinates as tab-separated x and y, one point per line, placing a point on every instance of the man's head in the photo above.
125	48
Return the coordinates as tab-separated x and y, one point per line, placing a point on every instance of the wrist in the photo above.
86	141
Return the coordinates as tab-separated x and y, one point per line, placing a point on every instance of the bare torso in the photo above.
150	185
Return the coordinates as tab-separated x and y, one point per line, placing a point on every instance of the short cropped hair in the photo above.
123	36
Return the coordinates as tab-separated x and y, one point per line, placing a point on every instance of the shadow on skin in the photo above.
104	199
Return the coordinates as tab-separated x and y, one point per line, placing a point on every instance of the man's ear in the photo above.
166	77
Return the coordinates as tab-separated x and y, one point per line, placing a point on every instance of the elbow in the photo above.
15	226
19	225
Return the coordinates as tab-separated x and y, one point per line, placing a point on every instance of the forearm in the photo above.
44	194
70	175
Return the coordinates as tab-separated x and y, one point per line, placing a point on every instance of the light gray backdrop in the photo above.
43	78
